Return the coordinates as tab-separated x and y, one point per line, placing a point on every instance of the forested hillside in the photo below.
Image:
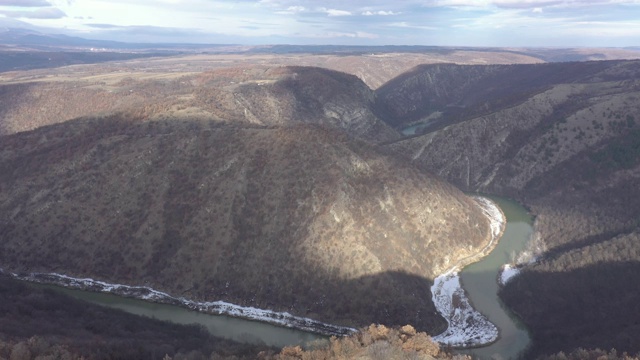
294	218
566	145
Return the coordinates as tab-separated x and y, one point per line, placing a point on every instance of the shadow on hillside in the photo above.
138	237
391	298
95	331
595	306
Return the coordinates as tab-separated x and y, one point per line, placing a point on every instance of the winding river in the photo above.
479	281
241	330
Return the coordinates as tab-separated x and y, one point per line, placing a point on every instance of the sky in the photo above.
501	23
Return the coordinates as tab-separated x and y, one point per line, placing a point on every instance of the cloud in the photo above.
337	34
43	13
381	13
528	4
335	12
292	10
146	30
25	3
103	26
537	10
404	24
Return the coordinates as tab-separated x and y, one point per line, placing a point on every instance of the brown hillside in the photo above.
570	151
460	92
259	95
297	218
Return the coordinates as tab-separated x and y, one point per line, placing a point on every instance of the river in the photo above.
478	279
480	283
241	330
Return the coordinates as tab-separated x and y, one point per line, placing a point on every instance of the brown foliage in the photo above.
299	219
373	342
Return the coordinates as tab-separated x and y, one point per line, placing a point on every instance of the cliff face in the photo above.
295	218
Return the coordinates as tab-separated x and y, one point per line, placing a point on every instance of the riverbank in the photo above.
467	327
447	294
283	319
530	256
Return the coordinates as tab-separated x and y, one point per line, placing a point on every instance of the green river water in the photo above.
480	282
478	279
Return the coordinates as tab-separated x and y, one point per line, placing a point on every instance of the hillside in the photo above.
45	324
256	95
448	93
565	143
294	218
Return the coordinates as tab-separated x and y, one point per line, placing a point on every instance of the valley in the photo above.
243	179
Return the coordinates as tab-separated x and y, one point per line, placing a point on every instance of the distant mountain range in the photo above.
42	41
39	39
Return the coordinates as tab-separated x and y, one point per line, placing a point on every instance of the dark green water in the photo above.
480	282
241	330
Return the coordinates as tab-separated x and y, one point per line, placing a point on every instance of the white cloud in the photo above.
381	13
24	3
335	12
40	13
292	10
528	4
338	34
471	22
404	24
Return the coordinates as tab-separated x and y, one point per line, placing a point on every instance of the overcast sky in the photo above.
373	22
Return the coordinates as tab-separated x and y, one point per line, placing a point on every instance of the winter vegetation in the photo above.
214	307
291	189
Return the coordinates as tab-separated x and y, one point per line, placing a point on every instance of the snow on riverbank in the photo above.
535	247
467	327
495	215
507	272
215	307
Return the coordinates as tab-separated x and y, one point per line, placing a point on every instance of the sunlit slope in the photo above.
254	94
568	150
296	218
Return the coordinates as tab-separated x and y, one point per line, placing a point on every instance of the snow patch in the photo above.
535	247
467	327
214	307
507	272
495	215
